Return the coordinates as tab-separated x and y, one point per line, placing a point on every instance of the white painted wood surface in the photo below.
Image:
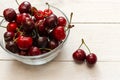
97	21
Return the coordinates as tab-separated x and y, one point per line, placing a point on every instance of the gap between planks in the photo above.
65	60
95	22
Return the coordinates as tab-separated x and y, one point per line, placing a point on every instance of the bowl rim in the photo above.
42	55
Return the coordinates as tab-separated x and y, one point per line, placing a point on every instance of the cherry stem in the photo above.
1	21
48	5
83	42
1	16
3	26
46	49
69	25
17	2
71	15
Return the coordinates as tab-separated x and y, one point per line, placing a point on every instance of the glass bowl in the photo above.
39	59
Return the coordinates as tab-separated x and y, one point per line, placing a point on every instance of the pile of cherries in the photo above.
32	32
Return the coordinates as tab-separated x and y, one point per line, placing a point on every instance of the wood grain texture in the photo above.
84	10
12	70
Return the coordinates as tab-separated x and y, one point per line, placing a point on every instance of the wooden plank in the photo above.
12	70
84	10
103	39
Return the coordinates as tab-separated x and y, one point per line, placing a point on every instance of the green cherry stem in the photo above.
46	49
3	26
1	21
83	42
17	2
1	16
71	15
69	25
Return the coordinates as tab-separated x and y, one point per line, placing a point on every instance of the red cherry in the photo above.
91	58
12	26
39	15
21	17
79	55
52	44
28	24
11	46
61	21
59	33
33	51
9	14
25	7
8	36
24	43
47	12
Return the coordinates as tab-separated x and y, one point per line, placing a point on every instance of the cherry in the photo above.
20	18
40	27
52	44
59	33
33	51
91	58
79	55
28	24
25	7
24	43
8	36
11	46
47	12
42	42
51	21
61	21
39	15
9	14
12	26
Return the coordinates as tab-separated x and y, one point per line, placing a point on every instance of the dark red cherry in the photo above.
9	14
11	46
91	58
24	43
42	42
61	21
25	7
79	55
12	26
41	27
33	51
59	33
52	44
20	18
8	36
28	24
51	21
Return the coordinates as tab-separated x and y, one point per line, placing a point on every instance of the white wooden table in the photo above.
97	21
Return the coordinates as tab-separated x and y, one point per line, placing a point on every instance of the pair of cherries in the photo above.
80	55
